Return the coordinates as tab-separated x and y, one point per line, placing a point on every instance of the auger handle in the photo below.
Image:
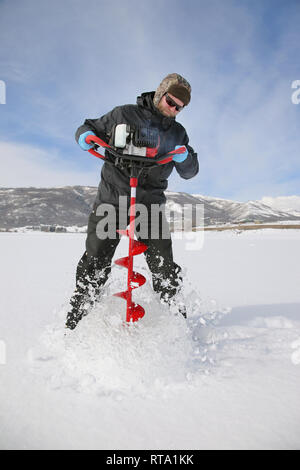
93	139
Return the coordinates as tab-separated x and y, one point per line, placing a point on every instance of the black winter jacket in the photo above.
152	183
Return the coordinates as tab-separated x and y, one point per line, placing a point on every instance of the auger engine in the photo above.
141	141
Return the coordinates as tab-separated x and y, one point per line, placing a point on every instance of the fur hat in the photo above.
177	86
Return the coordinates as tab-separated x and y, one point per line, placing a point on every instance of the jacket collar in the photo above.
145	100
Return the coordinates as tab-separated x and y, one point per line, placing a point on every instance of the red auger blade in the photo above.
123	295
138	248
123	262
134	311
138	279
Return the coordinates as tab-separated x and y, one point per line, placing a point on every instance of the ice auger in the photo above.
134	150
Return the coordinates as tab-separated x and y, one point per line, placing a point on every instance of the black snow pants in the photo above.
95	265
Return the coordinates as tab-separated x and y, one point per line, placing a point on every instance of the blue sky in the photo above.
66	60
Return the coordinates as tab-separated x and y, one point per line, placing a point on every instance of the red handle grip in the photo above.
170	155
90	139
93	139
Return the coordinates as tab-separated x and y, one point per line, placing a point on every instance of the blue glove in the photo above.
82	142
181	156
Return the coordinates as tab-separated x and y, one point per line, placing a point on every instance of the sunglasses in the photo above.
172	103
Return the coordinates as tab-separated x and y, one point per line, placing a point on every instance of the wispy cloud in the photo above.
26	165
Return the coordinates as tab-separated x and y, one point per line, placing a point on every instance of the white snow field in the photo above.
228	378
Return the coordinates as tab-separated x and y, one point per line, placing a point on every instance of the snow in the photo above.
228	378
283	203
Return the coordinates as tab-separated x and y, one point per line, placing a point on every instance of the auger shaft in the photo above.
134	279
133	186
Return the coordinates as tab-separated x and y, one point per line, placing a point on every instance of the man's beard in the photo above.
163	111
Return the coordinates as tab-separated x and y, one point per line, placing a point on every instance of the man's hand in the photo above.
181	156
82	142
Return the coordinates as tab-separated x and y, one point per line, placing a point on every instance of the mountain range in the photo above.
70	206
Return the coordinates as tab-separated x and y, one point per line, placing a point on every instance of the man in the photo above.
156	110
